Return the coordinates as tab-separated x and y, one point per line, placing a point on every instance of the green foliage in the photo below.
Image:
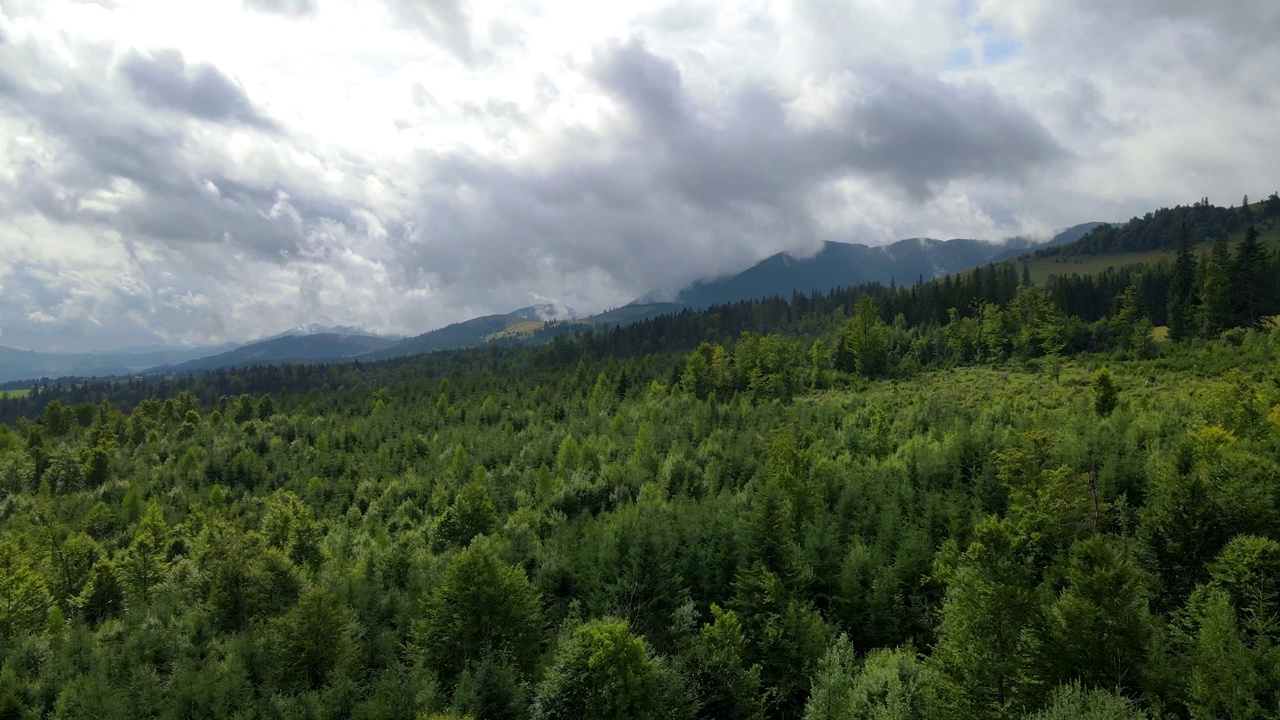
1074	702
242	579
990	650
725	686
1105	393
889	685
1182	290
470	515
1218	299
492	688
1248	570
103	596
601	671
1225	681
1253	287
1101	624
862	344
676	518
312	640
480	606
23	597
144	563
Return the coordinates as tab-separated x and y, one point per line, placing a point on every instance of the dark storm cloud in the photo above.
163	78
923	132
648	84
288	8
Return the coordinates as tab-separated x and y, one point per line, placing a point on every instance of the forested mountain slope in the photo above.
839	264
318	347
24	364
1154	238
973	498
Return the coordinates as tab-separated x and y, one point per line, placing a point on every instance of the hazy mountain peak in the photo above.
840	264
318	329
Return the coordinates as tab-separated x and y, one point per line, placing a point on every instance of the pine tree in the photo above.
1250	280
1217	297
1182	288
863	341
1105	393
601	671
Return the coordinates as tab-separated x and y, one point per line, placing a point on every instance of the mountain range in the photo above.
845	264
834	265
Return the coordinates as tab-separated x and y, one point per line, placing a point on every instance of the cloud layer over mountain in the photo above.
205	172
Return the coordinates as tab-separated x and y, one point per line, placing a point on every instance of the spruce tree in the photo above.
1217	296
1250	279
1182	288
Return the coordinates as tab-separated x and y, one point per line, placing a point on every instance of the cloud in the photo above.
163	78
918	132
446	22
288	8
400	165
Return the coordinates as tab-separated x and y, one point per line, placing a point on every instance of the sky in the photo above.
214	171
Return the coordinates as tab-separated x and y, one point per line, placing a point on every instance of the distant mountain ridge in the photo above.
320	347
28	365
835	265
546	312
317	329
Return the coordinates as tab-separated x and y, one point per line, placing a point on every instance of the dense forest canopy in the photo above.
967	498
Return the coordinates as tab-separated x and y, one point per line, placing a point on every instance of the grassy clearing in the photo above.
23	392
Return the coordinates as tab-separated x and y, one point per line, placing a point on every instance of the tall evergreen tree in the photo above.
862	345
1182	288
1217	297
1250	280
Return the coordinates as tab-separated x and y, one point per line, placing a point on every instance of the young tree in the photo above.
471	514
990	638
23	597
1224	682
1075	702
891	684
480	605
1125	317
103	597
312	640
1218	298
601	672
145	562
863	343
726	686
1106	394
1101	623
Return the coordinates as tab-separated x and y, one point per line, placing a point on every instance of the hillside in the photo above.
27	365
633	313
1157	234
476	331
928	521
849	264
306	348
